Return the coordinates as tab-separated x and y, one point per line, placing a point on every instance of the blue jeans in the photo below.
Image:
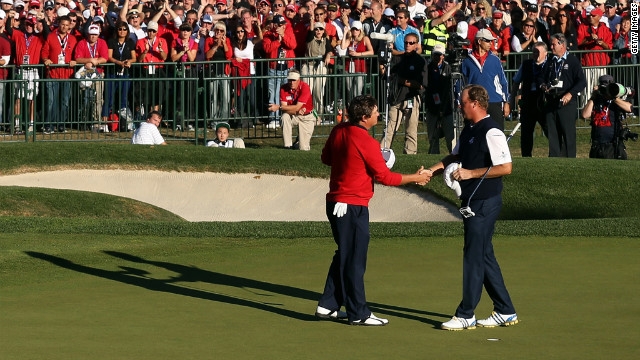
479	265
110	94
276	79
220	98
58	97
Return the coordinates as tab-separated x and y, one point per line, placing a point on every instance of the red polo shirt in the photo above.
301	95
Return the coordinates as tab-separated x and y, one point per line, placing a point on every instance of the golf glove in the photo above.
340	209
450	181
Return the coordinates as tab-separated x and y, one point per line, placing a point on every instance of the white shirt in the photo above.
247	53
147	134
417	10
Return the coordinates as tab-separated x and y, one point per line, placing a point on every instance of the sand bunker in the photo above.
236	197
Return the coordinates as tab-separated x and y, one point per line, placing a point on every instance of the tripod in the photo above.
387	153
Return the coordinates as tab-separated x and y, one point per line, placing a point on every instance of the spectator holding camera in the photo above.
606	111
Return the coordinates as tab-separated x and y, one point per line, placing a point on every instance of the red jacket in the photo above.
502	44
34	50
227	54
594	57
356	161
52	48
272	46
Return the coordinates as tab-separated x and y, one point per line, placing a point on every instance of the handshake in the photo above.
423	176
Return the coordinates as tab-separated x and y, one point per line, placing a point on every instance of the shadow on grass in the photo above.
138	277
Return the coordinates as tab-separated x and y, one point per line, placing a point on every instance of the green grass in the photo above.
150	297
90	276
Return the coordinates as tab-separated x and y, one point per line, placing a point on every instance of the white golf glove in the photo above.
340	209
450	181
389	157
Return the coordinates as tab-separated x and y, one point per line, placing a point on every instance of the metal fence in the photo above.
191	96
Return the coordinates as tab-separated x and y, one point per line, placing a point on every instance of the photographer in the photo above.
438	100
408	81
606	112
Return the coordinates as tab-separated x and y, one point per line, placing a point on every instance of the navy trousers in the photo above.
345	281
480	266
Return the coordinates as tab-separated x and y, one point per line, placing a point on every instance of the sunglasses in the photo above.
401	17
278	5
486	40
527	25
61	4
123	29
319	14
321	29
151	30
410	42
240	32
563	15
355	29
73	20
135	16
481	9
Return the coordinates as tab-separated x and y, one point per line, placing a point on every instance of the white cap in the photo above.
10	2
318	25
63	11
357	25
588	9
388	12
485	34
94	30
18	3
462	29
438	48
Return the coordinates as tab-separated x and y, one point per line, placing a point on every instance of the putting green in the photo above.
121	297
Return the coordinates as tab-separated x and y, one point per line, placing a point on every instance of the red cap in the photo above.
596	12
33	3
497	14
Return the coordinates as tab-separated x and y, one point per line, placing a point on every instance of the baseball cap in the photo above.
497	14
344	5
547	5
596	12
265	2
152	25
600	1
356	25
290	7
532	8
293	76
438	48
207	19
605	80
588	10
94	30
462	29
323	3
98	19
63	11
388	12
610	3
366	3
31	19
224	125
318	25
18	3
279	19
3	15
49	5
34	3
10	2
485	34
221	2
332	7
563	2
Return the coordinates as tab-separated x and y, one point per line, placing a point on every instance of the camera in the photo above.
457	52
615	90
626	134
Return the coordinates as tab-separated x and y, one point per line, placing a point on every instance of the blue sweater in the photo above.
490	76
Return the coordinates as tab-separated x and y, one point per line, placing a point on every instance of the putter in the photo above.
466	210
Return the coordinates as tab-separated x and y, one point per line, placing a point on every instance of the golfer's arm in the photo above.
496	171
439	167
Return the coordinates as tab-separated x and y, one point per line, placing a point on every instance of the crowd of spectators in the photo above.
63	33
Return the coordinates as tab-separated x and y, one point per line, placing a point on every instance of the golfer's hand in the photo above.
425	176
340	209
462	174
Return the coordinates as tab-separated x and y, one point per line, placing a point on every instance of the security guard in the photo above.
435	30
409	79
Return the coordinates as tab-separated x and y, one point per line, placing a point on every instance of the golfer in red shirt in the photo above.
356	162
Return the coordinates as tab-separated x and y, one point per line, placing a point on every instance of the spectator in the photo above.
544	16
122	52
320	48
409	79
222	138
148	133
278	8
503	6
529	82
612	16
5	58
152	49
435	28
401	30
58	50
563	80
279	44
517	15
251	26
501	47
134	20
264	10
606	114
297	109
480	18
344	22
334	19
219	49
93	52
183	51
523	41
243	65
356	45
624	55
416	9
564	25
28	45
541	28
484	69
594	36
438	100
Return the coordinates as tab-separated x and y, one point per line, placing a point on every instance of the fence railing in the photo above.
191	96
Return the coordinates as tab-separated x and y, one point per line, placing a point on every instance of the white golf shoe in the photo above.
324	313
456	324
497	319
372	320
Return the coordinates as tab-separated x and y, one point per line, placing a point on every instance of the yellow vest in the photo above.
437	35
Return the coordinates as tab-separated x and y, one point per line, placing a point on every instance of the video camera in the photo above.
456	51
